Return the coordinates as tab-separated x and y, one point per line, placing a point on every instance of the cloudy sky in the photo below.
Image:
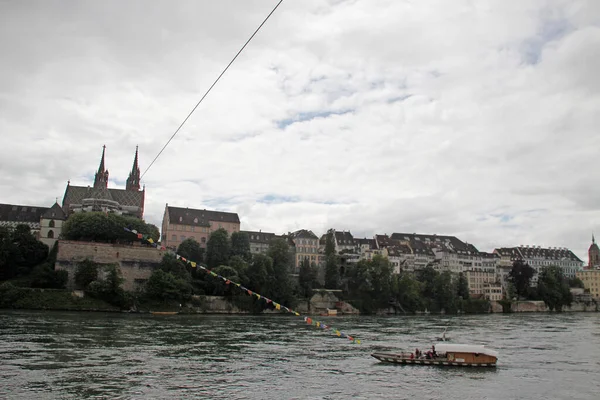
472	118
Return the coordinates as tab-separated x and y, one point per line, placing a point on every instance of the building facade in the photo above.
539	257
51	223
100	198
480	282
591	281
305	245
259	241
180	223
493	291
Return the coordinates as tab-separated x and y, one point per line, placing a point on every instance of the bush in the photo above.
44	276
101	227
48	299
86	273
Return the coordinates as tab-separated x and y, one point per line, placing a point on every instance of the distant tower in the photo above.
101	178
594	254
133	182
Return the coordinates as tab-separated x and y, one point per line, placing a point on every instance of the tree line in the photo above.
369	285
553	287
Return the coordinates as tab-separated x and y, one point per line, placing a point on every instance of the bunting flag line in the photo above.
227	281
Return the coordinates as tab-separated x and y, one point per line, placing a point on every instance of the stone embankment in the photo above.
540	306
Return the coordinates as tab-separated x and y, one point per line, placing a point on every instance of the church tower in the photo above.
101	178
133	182
594	254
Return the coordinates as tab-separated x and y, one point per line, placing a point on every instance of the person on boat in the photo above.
417	353
412	356
433	353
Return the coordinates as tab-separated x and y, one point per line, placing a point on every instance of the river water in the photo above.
47	355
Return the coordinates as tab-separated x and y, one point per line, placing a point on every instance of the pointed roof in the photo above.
54	212
101	167
133	181
594	247
101	177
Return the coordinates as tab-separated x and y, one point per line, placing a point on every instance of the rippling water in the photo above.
89	355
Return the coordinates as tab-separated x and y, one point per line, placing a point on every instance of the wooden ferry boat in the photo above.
164	312
446	354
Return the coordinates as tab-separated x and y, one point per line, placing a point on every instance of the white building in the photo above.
538	257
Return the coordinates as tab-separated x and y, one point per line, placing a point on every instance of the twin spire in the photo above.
101	178
133	182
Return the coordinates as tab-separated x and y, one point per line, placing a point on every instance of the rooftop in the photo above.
194	217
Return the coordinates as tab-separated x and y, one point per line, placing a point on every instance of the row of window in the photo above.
307	242
174	238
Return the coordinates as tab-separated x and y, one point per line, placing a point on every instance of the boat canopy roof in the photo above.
464	348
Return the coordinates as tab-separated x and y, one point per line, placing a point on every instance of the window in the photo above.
193	229
203	240
173	237
195	220
50	234
182	238
180	219
51	223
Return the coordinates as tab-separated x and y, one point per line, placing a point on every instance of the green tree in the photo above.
553	288
218	248
166	286
445	293
332	272
306	278
520	275
8	255
330	243
172	265
575	282
241	268
427	277
462	287
86	273
278	284
240	245
382	277
257	272
407	292
191	250
20	252
44	276
220	288
101	227
109	288
360	286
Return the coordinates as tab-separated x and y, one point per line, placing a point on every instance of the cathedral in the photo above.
128	201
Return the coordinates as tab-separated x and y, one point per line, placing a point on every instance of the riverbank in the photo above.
14	297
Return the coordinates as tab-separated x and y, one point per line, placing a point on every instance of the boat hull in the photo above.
399	359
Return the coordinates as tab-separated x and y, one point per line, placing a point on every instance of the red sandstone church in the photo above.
128	201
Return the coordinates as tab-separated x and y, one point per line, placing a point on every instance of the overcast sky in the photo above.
472	118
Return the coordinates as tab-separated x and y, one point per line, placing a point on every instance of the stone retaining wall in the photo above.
136	262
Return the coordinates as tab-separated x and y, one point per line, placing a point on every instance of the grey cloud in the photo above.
480	132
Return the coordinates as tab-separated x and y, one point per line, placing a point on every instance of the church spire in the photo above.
101	178
593	238
133	182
